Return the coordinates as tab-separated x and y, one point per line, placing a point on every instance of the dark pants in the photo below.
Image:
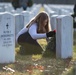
29	45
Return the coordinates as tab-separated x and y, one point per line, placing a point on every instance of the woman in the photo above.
38	28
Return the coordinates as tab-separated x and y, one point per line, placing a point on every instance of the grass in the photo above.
38	65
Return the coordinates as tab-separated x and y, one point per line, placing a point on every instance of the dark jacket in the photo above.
74	9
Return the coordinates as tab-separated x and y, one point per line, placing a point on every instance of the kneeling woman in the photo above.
37	28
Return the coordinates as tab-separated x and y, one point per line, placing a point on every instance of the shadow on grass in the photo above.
48	65
1	66
49	54
74	38
52	66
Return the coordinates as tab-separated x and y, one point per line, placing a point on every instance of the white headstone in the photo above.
8	8
13	11
65	12
7	38
19	10
51	12
64	37
19	23
27	17
2	9
58	10
34	11
53	21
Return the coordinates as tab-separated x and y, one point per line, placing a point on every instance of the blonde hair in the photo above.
39	19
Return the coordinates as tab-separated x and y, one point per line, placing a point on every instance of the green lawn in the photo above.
39	65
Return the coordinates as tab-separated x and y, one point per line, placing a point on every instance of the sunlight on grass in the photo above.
17	50
36	57
43	43
35	64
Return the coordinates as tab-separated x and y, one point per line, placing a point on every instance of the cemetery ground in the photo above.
39	65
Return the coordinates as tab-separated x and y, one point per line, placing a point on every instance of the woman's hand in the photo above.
51	33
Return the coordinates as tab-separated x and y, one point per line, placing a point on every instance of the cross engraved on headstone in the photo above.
7	26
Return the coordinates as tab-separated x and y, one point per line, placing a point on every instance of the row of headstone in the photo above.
59	9
48	10
10	25
62	21
67	7
31	12
22	18
6	7
25	16
64	35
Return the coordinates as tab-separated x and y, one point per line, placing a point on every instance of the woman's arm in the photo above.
34	34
